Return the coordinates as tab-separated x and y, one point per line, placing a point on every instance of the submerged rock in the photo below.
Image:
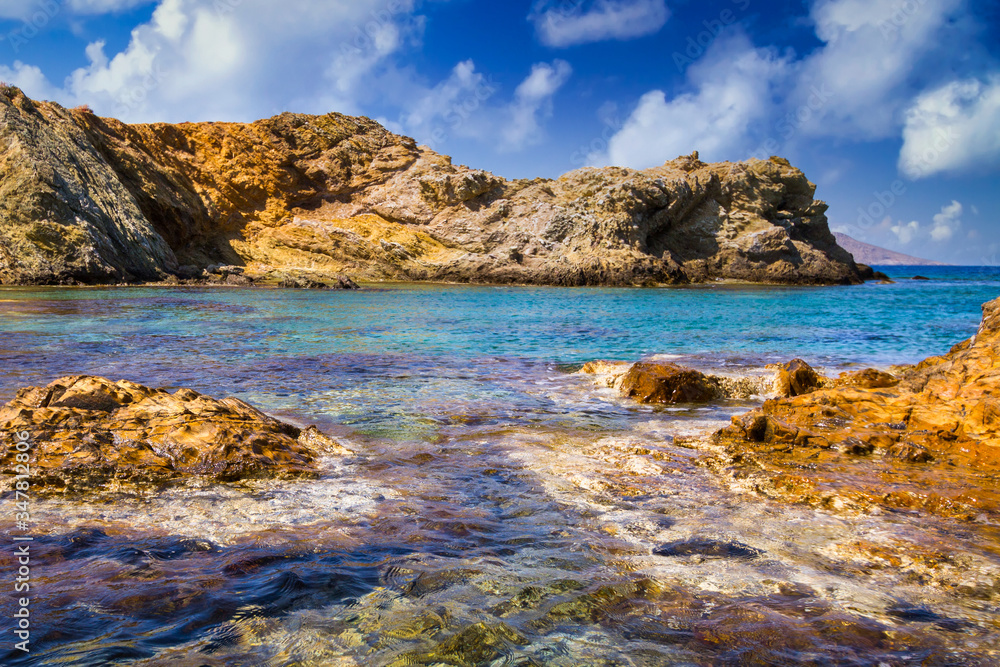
937	425
94	200
87	433
708	548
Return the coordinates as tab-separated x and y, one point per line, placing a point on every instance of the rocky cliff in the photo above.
93	200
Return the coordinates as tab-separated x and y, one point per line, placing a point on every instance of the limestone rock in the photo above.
796	378
666	383
936	426
88	432
870	378
89	199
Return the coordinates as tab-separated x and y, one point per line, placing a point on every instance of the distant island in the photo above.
873	255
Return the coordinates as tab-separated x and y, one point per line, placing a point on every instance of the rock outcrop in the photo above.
93	200
926	437
88	433
665	383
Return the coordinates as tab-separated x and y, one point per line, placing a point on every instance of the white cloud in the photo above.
906	232
872	48
242	59
533	102
731	93
874	58
29	78
947	222
952	129
564	24
457	106
22	9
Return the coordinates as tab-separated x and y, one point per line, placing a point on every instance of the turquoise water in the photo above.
487	474
298	350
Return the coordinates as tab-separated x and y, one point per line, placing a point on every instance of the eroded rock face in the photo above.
95	200
926	439
88	433
796	378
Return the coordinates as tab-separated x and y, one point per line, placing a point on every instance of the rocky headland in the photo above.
303	200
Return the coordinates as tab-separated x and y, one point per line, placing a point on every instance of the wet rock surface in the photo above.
666	383
92	434
924	438
94	200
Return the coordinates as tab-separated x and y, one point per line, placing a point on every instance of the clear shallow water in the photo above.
491	485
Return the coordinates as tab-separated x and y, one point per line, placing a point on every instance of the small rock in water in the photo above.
667	383
710	548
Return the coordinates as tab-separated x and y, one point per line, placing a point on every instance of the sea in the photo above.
500	508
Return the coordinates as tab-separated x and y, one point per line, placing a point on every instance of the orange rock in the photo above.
666	383
869	378
935	426
88	431
796	378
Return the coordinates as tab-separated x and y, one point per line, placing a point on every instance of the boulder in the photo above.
796	378
870	378
87	433
648	382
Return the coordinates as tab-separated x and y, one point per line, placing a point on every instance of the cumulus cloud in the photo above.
458	106
240	59
952	129
906	232
533	103
731	91
571	23
872	49
29	78
22	9
874	57
947	222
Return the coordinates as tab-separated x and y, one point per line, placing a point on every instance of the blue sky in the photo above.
891	106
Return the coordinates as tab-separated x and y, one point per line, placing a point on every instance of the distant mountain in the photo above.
872	255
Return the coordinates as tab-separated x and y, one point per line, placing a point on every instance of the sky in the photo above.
892	107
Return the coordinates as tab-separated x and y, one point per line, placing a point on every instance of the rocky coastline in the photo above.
320	200
920	438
